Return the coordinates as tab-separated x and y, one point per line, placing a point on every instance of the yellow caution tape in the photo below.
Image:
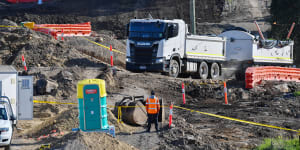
4	26
48	102
187	109
52	102
114	50
238	120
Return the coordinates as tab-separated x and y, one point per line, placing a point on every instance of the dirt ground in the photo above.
63	63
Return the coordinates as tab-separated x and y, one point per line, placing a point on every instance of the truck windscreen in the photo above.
146	30
3	115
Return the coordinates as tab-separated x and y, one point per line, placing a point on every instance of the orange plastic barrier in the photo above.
64	30
254	75
24	1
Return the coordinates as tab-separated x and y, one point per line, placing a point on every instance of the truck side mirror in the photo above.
127	30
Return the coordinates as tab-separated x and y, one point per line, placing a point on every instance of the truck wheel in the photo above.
214	71
203	70
174	68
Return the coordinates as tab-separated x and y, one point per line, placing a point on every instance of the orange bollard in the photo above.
111	57
24	63
170	115
183	92
225	93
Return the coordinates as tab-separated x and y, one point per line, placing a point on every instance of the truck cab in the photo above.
152	43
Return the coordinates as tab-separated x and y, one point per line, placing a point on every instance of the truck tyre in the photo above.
214	71
174	68
203	70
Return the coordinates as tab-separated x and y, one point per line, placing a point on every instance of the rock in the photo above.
266	113
51	87
245	95
190	137
173	126
283	88
287	111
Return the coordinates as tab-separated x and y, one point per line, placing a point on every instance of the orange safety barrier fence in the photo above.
56	30
254	75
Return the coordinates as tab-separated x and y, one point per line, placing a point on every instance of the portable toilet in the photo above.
91	94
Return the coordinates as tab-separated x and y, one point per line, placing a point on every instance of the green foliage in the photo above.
279	144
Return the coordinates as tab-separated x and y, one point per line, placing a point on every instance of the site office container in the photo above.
19	90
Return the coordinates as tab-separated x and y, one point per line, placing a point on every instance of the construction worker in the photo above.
152	107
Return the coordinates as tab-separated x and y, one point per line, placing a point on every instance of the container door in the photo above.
25	98
92	107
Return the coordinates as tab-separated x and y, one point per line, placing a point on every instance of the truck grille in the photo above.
143	55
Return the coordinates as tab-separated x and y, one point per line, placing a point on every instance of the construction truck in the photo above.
167	46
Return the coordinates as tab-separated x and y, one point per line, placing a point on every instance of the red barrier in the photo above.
255	75
24	63
111	57
225	93
170	115
183	92
64	30
24	1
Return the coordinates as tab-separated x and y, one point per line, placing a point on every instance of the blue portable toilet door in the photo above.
91	107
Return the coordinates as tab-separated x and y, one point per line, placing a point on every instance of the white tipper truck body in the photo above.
245	50
166	46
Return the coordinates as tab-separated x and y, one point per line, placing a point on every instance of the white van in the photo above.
6	126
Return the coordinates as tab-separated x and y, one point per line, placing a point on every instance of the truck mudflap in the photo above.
158	67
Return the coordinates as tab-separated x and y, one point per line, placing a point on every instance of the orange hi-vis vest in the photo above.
152	105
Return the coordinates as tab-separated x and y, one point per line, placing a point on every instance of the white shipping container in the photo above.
19	90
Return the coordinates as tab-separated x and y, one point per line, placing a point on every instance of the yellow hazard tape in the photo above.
187	109
48	102
52	102
114	50
4	26
238	120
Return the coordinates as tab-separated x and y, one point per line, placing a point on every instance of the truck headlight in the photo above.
4	129
128	59
159	60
